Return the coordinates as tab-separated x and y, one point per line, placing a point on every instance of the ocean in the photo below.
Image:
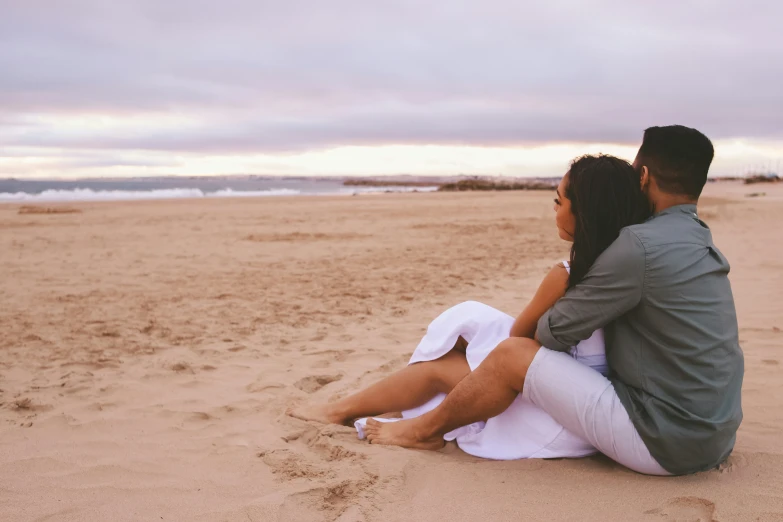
23	191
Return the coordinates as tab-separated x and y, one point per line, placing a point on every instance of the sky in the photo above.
90	88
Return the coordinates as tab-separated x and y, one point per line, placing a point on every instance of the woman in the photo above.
598	197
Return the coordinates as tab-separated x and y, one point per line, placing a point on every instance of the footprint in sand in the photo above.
331	452
333	355
288	465
736	461
335	502
685	509
296	435
25	405
181	367
352	514
261	385
313	383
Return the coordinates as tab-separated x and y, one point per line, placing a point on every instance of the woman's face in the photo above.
564	218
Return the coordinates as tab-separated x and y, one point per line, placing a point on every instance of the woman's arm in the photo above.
552	288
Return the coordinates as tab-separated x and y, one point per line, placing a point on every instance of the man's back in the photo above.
681	383
662	292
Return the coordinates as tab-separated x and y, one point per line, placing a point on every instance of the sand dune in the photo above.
149	351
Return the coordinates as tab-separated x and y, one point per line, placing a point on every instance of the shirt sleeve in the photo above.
611	288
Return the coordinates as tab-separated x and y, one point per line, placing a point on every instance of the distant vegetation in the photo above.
762	178
460	185
485	184
384	183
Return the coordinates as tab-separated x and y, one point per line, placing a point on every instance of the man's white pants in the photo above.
584	402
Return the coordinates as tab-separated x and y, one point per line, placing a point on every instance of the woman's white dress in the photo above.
521	431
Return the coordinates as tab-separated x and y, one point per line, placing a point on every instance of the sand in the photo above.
149	351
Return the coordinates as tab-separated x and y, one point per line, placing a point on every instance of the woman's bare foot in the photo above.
402	433
324	413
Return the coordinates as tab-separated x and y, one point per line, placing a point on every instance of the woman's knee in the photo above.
461	345
449	370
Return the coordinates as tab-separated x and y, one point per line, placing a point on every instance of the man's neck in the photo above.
665	201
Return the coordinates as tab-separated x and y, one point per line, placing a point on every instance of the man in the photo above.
671	404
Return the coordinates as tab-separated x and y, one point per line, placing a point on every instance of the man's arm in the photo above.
612	287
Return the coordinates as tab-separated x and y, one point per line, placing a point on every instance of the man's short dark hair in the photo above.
678	158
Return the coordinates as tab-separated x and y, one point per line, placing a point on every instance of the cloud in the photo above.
242	76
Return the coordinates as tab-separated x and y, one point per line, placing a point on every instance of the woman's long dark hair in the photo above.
605	197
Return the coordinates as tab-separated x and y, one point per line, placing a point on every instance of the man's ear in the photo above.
644	179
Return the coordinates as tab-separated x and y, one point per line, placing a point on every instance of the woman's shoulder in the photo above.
560	270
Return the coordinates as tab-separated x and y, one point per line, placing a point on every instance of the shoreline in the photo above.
14	190
109	197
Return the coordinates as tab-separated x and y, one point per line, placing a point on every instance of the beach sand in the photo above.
149	351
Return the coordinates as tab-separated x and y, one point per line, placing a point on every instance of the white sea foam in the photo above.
121	195
230	193
374	190
87	194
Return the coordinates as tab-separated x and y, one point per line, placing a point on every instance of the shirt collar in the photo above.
689	209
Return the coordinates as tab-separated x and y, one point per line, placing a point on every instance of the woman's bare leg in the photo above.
412	386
